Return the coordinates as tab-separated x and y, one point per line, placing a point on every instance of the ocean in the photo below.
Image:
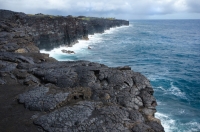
167	52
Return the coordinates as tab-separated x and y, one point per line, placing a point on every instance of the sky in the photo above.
121	9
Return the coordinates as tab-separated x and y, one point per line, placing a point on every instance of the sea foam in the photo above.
168	123
82	47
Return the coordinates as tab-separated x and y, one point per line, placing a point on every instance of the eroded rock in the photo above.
128	90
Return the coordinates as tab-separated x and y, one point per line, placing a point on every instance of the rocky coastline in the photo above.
39	93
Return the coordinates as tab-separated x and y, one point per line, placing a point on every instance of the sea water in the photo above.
167	52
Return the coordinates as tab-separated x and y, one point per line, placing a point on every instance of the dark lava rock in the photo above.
39	93
47	32
68	51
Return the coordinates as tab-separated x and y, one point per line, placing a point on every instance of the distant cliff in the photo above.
39	93
47	31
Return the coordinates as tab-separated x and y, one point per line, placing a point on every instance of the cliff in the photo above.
39	93
46	31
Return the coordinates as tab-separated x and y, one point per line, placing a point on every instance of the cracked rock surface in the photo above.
84	96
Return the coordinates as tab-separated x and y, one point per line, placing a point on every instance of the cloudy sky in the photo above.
123	9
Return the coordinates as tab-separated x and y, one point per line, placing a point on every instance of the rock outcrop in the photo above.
39	93
68	51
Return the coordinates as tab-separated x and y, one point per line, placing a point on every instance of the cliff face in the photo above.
66	96
47	31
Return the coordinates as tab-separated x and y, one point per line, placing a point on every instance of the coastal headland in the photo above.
39	93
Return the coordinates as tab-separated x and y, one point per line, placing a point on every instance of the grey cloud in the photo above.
194	6
115	8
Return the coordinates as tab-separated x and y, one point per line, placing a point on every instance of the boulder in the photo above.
68	51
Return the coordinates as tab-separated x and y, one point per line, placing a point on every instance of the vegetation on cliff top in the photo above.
79	17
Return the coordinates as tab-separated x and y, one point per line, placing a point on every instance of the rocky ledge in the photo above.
39	93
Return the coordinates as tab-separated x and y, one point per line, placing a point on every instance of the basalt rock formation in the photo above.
45	31
39	93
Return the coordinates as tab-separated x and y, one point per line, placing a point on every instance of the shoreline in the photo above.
41	93
81	45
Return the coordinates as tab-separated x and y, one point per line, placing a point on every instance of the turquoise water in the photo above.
167	52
